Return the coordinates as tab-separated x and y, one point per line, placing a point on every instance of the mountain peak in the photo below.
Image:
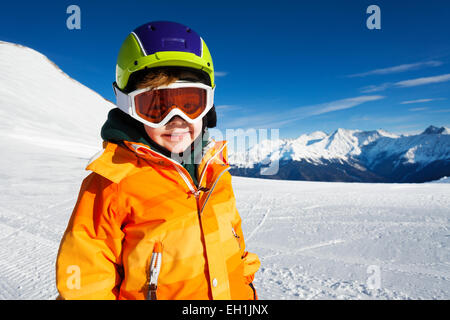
345	132
435	130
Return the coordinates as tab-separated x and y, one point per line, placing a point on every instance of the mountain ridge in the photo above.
352	155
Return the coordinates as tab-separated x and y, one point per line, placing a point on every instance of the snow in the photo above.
40	104
49	127
442	180
421	148
316	240
345	144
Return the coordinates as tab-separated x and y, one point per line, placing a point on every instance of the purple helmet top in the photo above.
168	36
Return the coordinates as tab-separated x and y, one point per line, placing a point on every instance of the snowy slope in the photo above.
41	105
316	240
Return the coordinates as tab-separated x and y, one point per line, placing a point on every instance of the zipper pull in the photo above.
236	236
196	193
234	233
155	268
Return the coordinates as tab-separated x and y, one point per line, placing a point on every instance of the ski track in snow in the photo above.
314	246
260	224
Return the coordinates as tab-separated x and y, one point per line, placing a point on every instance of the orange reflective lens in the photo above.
155	105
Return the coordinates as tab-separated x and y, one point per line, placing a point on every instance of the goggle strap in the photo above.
122	100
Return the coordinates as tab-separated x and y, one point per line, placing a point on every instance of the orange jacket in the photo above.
142	230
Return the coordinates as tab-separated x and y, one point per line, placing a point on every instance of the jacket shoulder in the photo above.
114	162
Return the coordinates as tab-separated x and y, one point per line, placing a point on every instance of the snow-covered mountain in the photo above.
314	147
351	155
42	105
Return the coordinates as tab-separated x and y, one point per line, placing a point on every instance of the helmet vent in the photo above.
174	44
151	27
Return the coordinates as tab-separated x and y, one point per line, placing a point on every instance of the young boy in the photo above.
157	218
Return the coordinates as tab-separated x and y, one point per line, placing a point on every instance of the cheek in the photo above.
197	127
154	134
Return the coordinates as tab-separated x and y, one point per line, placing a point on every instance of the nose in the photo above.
177	121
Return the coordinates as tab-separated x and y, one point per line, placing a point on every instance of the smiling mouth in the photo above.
176	136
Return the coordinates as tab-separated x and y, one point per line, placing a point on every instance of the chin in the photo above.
179	147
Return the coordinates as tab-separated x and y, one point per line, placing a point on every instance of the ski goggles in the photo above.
156	106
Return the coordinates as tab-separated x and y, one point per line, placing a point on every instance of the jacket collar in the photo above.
116	162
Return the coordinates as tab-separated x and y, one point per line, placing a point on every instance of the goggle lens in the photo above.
155	105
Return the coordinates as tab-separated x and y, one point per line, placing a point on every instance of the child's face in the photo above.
177	135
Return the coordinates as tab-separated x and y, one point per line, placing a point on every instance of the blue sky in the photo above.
296	66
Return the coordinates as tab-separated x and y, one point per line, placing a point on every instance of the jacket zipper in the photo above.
155	264
155	268
191	186
212	188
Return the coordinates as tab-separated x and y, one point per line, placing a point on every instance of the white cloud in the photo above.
418	109
422	81
278	118
336	105
406	83
376	88
226	107
384	119
441	111
220	73
397	69
417	101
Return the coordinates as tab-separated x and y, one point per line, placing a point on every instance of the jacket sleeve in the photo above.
251	260
88	264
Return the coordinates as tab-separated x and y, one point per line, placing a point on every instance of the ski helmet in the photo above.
162	44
